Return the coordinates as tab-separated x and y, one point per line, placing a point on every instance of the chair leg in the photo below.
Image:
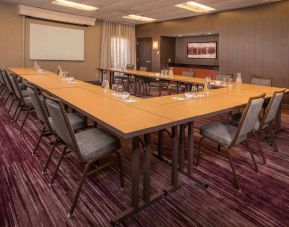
38	142
236	181
252	156
271	136
58	165
11	104
18	114
6	100
85	173
199	151
119	162
50	155
16	111
256	135
27	114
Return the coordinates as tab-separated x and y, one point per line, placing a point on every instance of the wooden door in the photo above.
144	53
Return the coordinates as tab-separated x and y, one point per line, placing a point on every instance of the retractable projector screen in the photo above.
56	43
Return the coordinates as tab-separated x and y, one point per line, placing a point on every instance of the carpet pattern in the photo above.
26	199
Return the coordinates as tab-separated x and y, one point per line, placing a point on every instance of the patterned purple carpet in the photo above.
26	199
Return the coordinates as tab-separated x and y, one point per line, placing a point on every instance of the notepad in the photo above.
178	98
130	100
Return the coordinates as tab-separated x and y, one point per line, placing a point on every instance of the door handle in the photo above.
148	61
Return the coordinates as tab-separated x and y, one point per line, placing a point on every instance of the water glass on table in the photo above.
119	90
114	89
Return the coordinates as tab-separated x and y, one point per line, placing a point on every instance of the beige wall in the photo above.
14	44
11	30
254	41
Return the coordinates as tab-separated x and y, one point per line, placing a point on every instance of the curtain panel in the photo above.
118	45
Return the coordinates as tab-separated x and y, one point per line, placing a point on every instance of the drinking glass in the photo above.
195	90
224	80
201	91
114	89
119	90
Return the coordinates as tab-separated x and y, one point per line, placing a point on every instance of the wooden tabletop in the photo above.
114	114
145	115
152	75
28	71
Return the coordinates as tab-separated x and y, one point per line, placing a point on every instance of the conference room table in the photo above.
136	119
149	75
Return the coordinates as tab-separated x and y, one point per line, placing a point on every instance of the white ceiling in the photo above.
114	10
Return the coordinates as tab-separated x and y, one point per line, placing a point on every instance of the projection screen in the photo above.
56	43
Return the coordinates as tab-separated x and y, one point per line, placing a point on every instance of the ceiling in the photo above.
114	10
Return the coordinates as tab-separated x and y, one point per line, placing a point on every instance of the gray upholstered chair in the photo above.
226	77
2	83
76	121
159	84
143	68
24	101
91	147
4	88
9	86
188	73
228	136
187	86
125	79
261	81
267	121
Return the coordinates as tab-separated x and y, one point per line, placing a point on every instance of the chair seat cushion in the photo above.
219	132
75	121
96	142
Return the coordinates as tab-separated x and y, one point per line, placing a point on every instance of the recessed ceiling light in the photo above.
195	7
139	18
74	5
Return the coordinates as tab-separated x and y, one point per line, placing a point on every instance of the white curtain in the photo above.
118	45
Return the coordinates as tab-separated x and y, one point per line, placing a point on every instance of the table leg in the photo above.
174	176
160	143
202	183
147	166
136	203
181	147
111	76
135	172
191	147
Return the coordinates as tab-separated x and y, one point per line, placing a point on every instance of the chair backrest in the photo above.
261	81
143	68
1	77
130	67
61	123
188	73
7	81
225	76
272	108
16	88
38	106
249	118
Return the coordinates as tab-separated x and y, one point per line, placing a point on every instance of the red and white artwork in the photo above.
202	50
